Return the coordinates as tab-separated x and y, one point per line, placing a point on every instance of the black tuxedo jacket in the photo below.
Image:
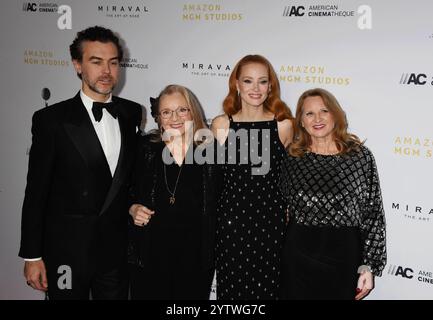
75	213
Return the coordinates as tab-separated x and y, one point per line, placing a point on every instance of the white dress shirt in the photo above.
108	132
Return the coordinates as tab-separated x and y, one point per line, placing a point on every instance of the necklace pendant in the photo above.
172	200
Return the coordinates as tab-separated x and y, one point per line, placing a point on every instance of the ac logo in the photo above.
29	6
413	78
400	271
293	11
64	22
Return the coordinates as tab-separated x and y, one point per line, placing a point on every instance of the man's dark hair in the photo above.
95	33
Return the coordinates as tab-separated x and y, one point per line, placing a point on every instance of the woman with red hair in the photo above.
253	131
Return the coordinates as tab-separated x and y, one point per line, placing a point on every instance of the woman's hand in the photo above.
365	285
140	214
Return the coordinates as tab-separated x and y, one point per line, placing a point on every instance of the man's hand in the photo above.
36	274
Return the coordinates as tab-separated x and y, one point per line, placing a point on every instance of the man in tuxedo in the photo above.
75	211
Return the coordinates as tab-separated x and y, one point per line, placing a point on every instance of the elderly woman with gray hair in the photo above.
172	210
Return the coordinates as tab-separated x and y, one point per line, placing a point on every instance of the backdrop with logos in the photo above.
375	56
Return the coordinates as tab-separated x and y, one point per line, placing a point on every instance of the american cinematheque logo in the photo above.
206	68
310	74
323	10
64	21
44	7
363	14
209	12
410	273
118	11
44	58
415	79
133	63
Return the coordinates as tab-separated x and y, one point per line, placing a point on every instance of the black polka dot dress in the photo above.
250	213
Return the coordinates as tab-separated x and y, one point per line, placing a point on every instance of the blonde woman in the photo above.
173	210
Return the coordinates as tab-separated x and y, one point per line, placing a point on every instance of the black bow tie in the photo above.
98	106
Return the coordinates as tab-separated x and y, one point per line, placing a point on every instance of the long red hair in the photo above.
273	102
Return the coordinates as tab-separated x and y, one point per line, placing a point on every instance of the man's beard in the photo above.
93	86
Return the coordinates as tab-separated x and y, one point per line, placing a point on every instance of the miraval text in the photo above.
205	66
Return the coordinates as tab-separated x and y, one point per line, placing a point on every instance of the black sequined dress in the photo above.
337	223
250	214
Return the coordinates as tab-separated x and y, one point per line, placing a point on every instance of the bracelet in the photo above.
363	268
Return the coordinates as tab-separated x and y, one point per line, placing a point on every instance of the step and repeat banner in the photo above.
375	56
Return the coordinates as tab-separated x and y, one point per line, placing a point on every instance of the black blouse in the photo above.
186	211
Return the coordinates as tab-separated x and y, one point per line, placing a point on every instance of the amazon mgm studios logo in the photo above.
413	146
409	273
210	12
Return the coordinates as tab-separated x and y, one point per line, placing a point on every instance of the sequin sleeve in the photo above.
373	219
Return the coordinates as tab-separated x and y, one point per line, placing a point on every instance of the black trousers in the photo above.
320	263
